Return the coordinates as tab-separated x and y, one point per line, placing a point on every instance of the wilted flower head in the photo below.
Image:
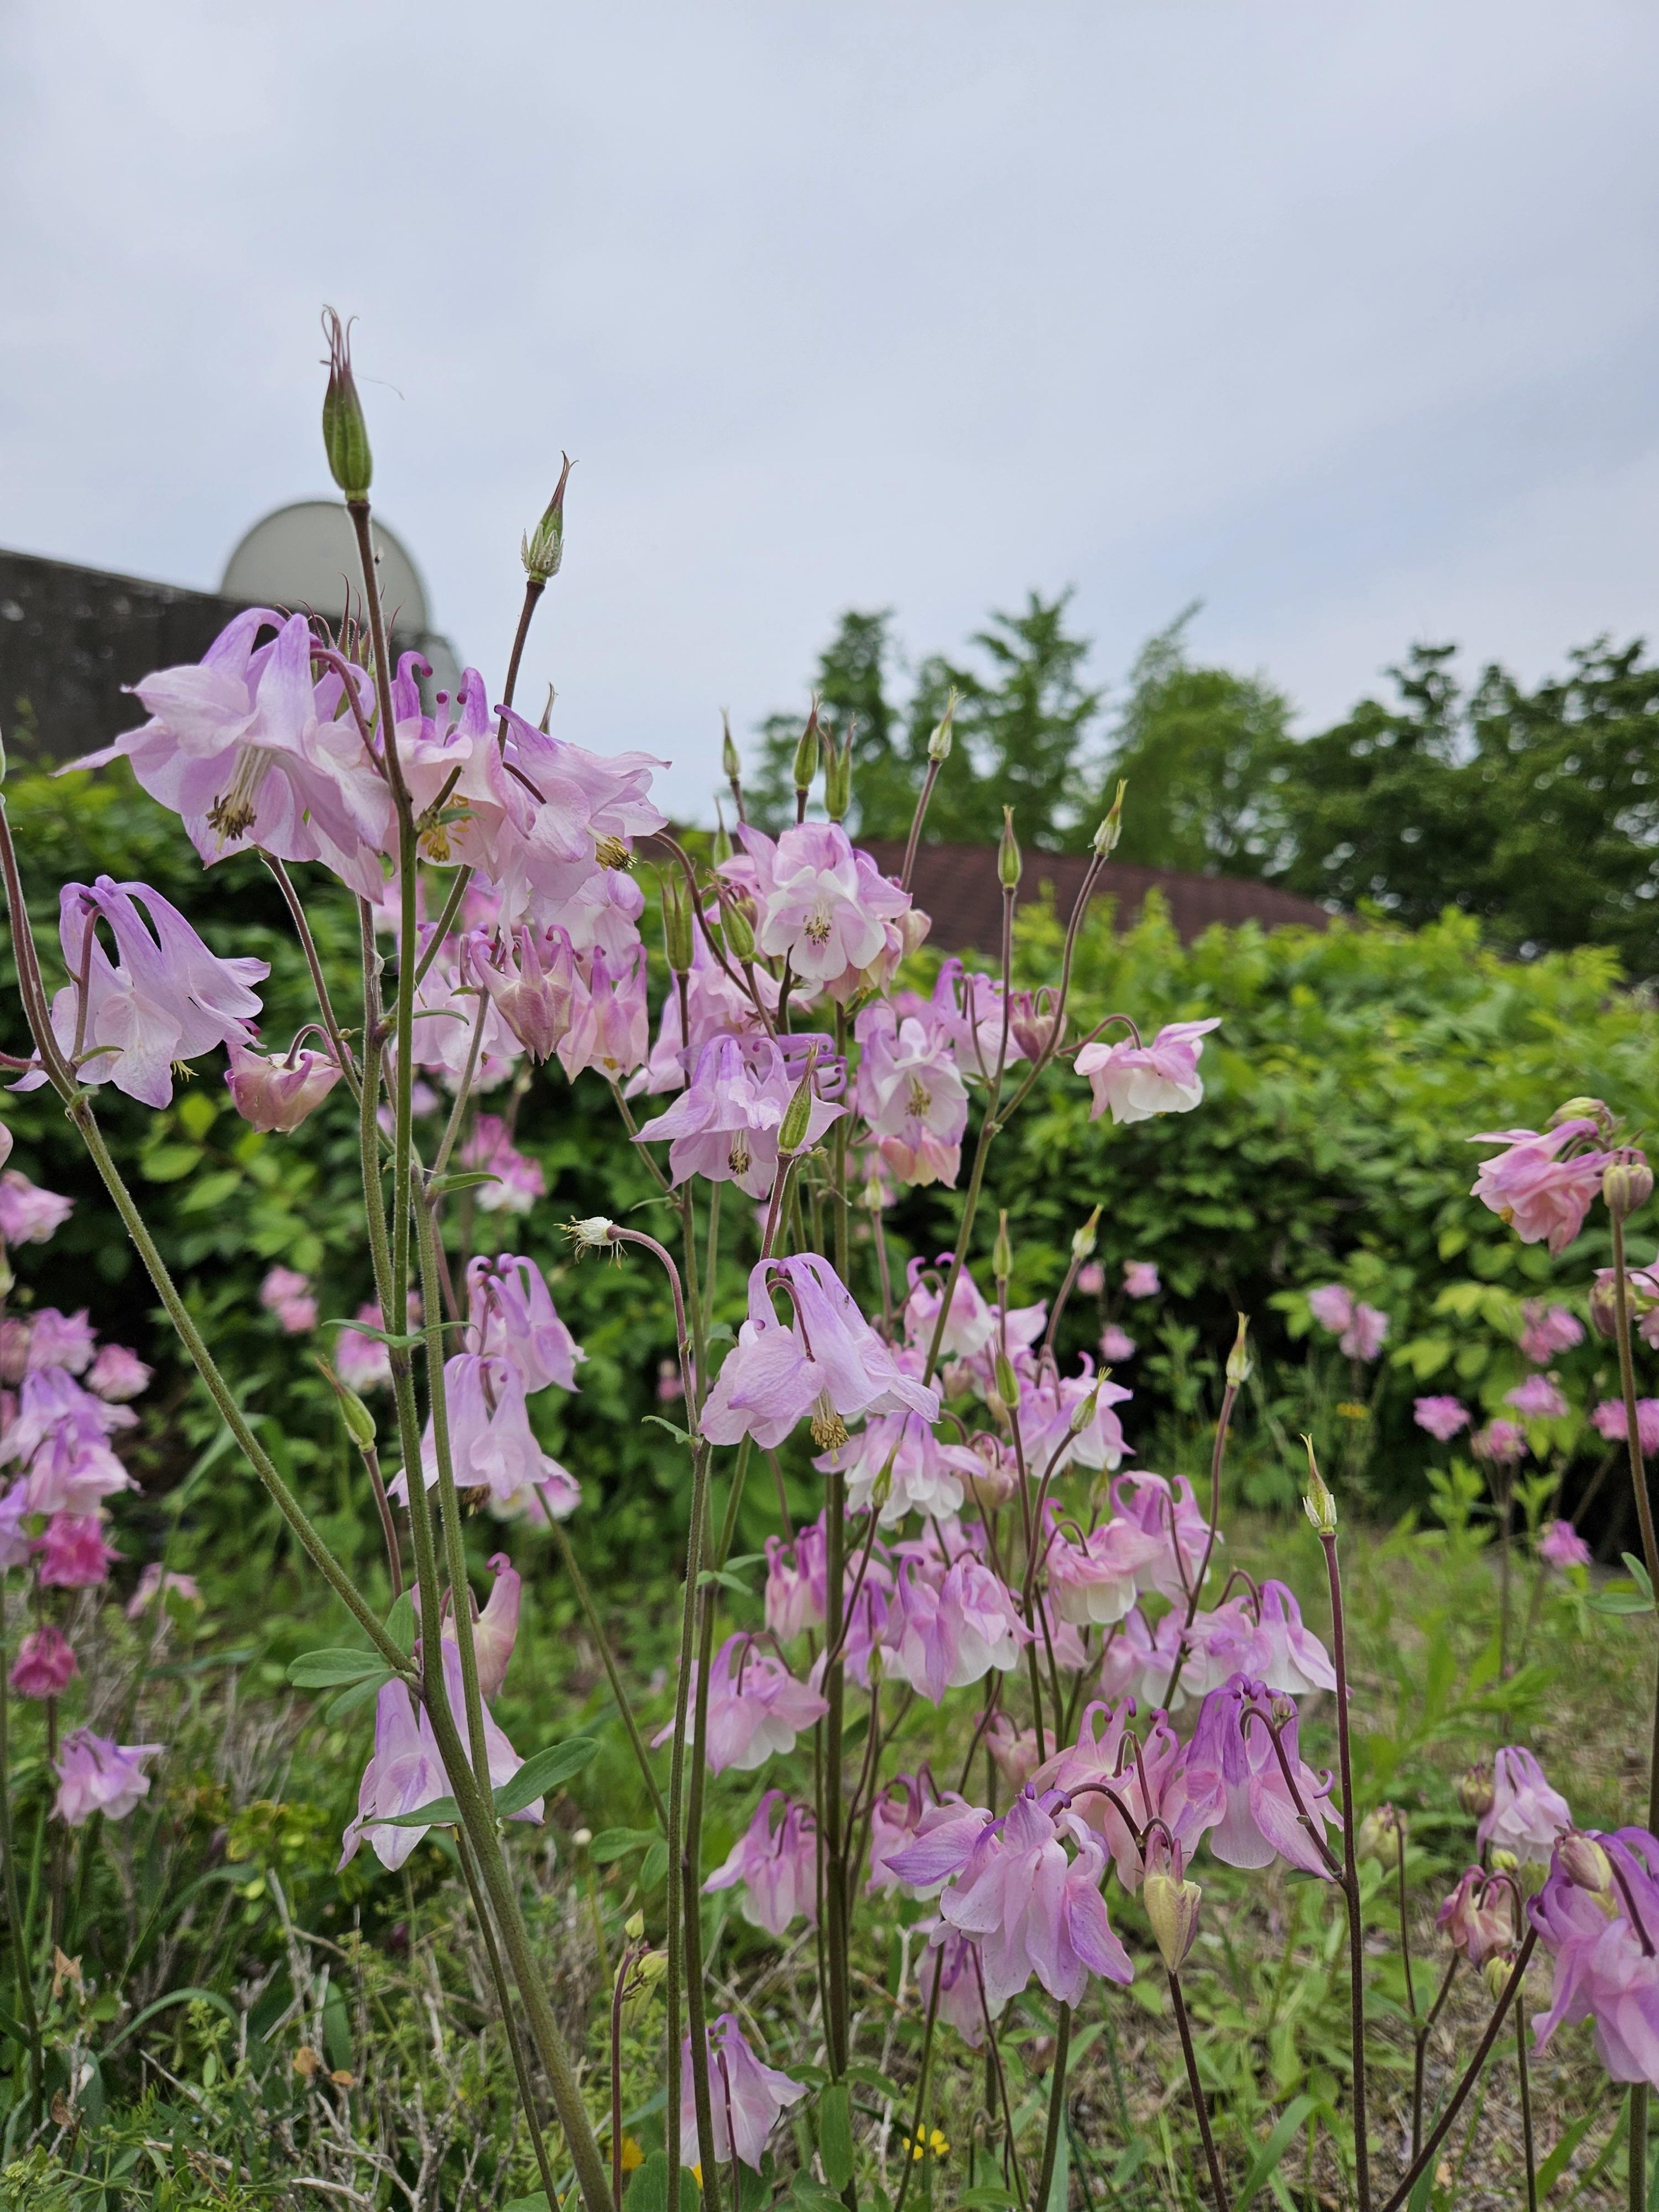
1526	1815
278	1094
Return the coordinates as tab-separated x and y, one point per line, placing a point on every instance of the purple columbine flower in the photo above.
1284	1654
826	1361
45	1664
951	1959
610	1025
777	1864
747	2097
362	1363
96	1775
60	1340
840	922
531	978
1478	1918
797	1582
1261	1821
1116	1344
1541	1195
1136	1081
1608	1420
520	1181
972	1323
947	1632
756	1707
511	1316
1539	1399
1093	1581
909	1813
287	1294
1157	1783
1331	1306
73	1554
1597	1916
492	1447
29	1215
1526	1814
496	1629
922	1473
1442	1417
278	1094
724	1126
1549	1329
911	1094
1169	1512
118	1374
1561	1545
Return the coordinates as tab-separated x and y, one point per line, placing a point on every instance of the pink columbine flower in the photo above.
1526	1815
278	1094
168	999
1597	1916
1032	1908
1016	1750
1537	1399
1137	1081
1363	1338
29	1215
923	1474
1561	1545
1153	1782
46	1664
1331	1306
1549	1329
153	1583
61	1339
73	1554
1091	1278
826	1361
15	1543
287	1293
491	1443
1169	1512
511	1316
1500	1444
118	1374
1284	1654
1140	1279
520	1181
724	1125
1608	1420
907	1812
777	1864
797	1582
1116	1344
1442	1417
942	1635
747	2097
756	1707
825	907
1528	1185
362	1363
911	1094
610	1025
1478	1918
1261	1821
1093	1581
971	1324
496	1629
531	978
951	1959
95	1775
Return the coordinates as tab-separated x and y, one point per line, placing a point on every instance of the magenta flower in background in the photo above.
1091	1278
1597	1916
29	1215
1541	1195
520	1181
153	1583
777	1865
118	1374
95	1775
756	1707
911	1094
826	1361
1116	1344
287	1293
1331	1306
1140	1279
747	2097
1540	1398
1260	1821
1608	1420
1138	1081
797	1582
278	1094
1442	1417
73	1554
61	1339
1561	1545
1549	1329
1478	1918
511	1316
1526	1815
1363	1338
1500	1444
46	1664
362	1363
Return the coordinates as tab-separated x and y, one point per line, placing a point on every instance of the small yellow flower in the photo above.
633	2156
937	2144
1351	1410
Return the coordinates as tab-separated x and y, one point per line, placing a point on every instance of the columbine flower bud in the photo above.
676	927
360	1422
1496	1973
634	1927
1583	1110
1318	1504
1009	865
1475	1791
807	754
1238	1359
797	1115
1280	1711
1111	828
739	934
939	745
651	1967
1171	1907
543	550
1083	1240
838	778
1002	1257
346	433
722	834
1382	1837
1008	1381
1627	1184
1584	1863
1502	1862
731	765
1604	1304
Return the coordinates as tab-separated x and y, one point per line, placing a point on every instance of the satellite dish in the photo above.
306	557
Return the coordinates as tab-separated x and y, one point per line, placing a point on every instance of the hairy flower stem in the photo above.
1056	2109
20	1957
504	1998
1218	2187
1420	2043
674	1992
835	1690
691	1879
1362	2157
1217	1454
308	945
1470	2075
1527	2147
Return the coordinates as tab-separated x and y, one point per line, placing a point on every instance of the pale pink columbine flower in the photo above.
825	907
923	1474
911	1094
278	1094
1478	1918
1169	1512
950	1958
1137	1081
118	1374
1541	1195
1526	1814
717	1004
1016	1750
73	1554
1140	1279
1442	1417
1608	1420
724	1126
362	1363
610	1024
520	1181
1539	1399
945	1634
168	999
1331	1306
491	1445
1597	1916
153	1583
287	1294
511	1316
1549	1329
826	1361
747	2097
1032	1908
1363	1337
971	1324
1093	1581
1284	1654
95	1775
1151	1783
1116	1344
531	978
60	1430
756	1707
29	1215
496	1629
61	1339
1500	1444
797	1583
46	1664
1261	1821
777	1863
1561	1545
907	1812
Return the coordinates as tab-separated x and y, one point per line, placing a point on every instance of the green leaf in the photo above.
1556	2164
171	1162
535	2202
173	1997
809	2193
835	2136
439	1813
989	2197
14	2028
545	1773
408	1341
212	1191
725	1579
871	2077
462	1179
654	1865
322	1670
1290	2121
400	1624
1639	1575
648	2190
360	1693
1618	1598
618	1843
681	1436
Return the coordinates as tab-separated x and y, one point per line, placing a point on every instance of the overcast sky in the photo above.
1340	319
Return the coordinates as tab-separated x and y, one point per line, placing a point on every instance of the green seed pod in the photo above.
838	777
543	550
739	935
1111	828
731	766
807	754
677	926
938	745
797	1116
345	432
1009	865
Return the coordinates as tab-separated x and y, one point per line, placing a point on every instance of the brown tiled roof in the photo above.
957	885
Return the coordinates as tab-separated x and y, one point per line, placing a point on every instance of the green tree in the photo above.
851	686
